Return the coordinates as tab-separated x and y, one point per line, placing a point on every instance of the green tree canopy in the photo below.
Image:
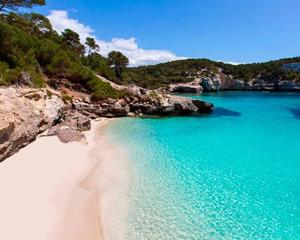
71	40
15	4
118	61
40	22
92	45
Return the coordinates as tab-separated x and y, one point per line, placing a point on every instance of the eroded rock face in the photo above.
24	113
211	84
185	88
140	102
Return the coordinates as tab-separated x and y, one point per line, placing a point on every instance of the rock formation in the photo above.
25	113
192	87
222	82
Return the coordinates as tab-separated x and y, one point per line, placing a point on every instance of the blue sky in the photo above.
228	30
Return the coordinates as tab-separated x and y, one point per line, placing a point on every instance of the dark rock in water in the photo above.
176	105
203	107
295	112
223	112
182	105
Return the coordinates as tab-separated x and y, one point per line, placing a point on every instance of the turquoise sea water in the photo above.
234	174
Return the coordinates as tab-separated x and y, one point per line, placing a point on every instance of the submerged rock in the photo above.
203	107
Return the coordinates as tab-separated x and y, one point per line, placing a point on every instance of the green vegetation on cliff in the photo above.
31	51
185	71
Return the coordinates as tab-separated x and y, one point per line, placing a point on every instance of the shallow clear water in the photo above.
234	174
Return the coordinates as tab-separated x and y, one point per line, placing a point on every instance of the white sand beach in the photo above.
55	191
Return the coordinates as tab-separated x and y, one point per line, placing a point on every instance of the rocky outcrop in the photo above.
151	103
199	85
193	87
211	84
258	85
228	83
288	86
71	128
203	107
138	102
25	113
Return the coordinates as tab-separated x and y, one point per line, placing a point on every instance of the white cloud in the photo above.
60	21
129	47
231	62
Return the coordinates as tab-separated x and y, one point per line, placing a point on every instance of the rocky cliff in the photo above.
24	113
224	82
140	102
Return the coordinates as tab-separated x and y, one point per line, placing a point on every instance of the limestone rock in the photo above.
185	88
67	135
25	113
211	84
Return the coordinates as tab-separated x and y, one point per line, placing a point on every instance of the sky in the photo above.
153	31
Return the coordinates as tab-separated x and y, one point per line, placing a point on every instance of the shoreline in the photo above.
68	191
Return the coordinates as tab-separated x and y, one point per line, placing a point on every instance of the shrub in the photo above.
59	65
3	70
49	93
45	51
101	90
37	79
66	98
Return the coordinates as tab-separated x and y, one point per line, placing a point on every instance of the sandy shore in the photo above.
55	191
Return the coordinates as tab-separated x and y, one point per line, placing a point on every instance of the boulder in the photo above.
25	113
176	105
203	107
67	135
77	121
84	124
